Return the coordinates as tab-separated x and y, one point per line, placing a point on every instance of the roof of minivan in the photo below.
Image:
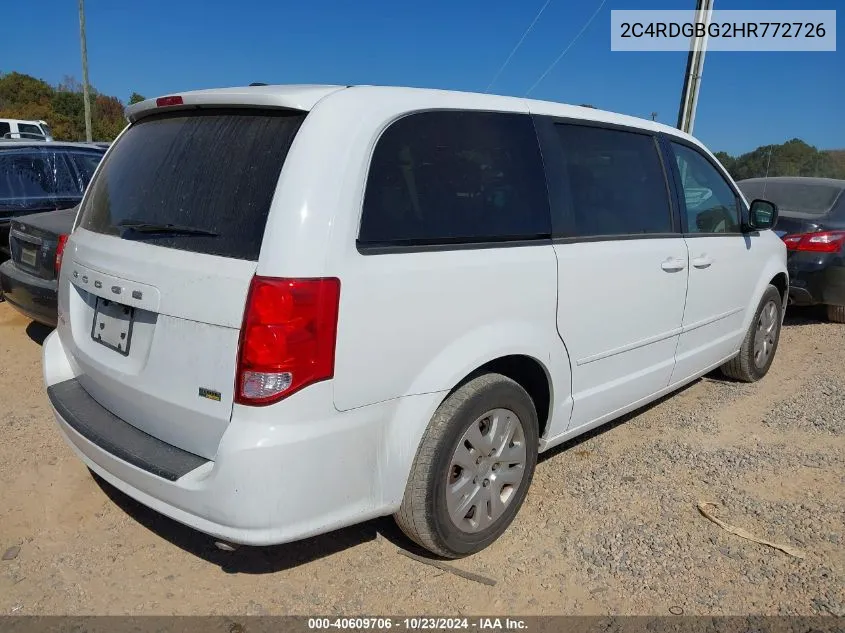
305	97
797	180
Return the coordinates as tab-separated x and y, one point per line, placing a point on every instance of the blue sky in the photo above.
157	47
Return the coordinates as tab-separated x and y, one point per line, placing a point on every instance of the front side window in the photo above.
456	177
711	204
29	129
616	182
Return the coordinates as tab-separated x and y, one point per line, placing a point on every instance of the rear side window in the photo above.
456	177
616	182
5	128
36	179
214	171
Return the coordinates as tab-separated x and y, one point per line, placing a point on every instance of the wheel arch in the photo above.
530	374
774	273
781	282
535	359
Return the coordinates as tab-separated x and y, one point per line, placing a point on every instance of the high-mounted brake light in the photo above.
60	251
820	242
163	102
287	337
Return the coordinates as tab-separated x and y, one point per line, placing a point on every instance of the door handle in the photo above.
673	264
702	261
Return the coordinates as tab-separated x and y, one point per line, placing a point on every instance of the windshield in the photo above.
810	198
36	178
213	171
46	129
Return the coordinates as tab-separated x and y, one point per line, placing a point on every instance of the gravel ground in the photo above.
610	526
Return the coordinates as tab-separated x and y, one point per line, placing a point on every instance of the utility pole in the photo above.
695	67
85	96
654	116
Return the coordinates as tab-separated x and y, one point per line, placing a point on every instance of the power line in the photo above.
518	44
566	50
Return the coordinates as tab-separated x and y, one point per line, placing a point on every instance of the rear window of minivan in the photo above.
214	171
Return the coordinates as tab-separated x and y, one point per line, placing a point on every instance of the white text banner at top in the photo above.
728	30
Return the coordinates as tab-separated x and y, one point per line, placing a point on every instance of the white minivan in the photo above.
287	309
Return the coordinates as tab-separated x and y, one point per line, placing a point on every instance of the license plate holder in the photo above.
112	325
29	256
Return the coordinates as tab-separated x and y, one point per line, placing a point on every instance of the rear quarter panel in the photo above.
409	323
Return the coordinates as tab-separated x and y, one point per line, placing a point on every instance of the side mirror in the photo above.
762	215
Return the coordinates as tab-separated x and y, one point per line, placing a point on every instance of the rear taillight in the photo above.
821	242
287	338
60	251
163	102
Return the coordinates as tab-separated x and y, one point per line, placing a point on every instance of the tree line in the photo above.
793	158
62	106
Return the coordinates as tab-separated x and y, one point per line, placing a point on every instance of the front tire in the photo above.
836	314
472	469
761	341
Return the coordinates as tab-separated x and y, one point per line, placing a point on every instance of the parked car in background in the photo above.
266	338
28	279
18	128
36	177
812	223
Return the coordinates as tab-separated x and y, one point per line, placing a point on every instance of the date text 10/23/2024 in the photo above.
418	623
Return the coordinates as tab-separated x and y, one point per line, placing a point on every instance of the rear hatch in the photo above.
33	240
155	277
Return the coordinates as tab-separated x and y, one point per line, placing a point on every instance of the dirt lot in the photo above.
610	524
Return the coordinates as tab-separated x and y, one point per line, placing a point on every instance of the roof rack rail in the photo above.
257	83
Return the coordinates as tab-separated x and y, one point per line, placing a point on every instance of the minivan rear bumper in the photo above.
274	478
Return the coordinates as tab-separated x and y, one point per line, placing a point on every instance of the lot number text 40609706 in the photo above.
418	623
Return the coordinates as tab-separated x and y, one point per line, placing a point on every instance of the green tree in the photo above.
727	160
793	158
25	97
136	98
18	90
108	118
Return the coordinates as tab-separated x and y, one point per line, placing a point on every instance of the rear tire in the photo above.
472	469
761	341
836	314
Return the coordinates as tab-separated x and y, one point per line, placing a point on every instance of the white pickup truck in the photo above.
28	130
